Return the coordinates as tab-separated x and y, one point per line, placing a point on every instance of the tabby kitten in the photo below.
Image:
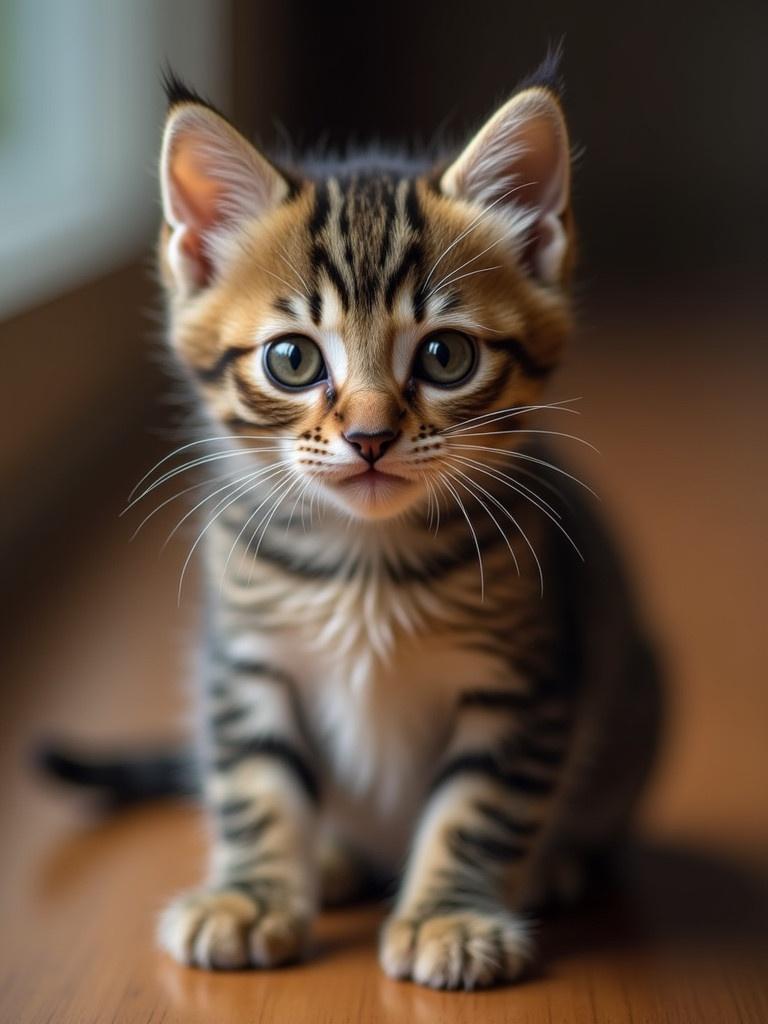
408	670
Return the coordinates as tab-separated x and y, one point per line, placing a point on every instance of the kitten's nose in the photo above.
370	446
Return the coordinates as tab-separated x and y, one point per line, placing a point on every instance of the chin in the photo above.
373	496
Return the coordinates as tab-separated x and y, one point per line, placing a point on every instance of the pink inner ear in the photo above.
521	159
195	192
544	178
201	267
196	202
212	181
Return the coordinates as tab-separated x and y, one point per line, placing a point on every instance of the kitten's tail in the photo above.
119	780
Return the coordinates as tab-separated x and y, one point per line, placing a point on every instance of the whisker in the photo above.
471	273
492	516
303	508
253	476
550	433
466	263
553	518
298	499
286	491
528	458
191	444
244	527
174	497
434	507
218	511
204	460
501	476
521	531
472	531
429	503
291	288
493	460
291	266
281	489
315	496
472	224
513	410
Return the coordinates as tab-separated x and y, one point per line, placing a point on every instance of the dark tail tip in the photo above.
119	779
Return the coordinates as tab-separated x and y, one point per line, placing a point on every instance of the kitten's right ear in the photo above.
212	182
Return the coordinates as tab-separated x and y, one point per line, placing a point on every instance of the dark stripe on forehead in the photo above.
528	364
321	211
322	262
344	216
416	219
320	258
413	208
315	306
369	246
411	260
390	212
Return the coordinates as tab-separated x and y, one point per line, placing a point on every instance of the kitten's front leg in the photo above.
455	924
257	905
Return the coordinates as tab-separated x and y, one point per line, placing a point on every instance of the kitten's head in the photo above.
355	314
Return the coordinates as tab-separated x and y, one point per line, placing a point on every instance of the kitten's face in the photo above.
357	319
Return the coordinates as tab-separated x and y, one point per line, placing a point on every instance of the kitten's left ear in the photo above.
519	162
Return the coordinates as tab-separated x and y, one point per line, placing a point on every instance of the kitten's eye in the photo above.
446	357
294	361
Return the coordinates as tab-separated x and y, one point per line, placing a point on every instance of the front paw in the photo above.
225	929
465	949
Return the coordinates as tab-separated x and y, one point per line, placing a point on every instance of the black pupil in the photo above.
441	352
294	355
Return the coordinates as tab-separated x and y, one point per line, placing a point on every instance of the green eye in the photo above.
445	358
294	361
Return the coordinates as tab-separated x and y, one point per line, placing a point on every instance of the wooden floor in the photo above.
95	648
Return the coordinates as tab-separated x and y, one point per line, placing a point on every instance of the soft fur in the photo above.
409	671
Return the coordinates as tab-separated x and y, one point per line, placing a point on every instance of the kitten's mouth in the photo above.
373	478
373	494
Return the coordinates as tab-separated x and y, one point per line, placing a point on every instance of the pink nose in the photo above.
370	446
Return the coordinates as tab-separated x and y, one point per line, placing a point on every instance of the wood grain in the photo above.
95	648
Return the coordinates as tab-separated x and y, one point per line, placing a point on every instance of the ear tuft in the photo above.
548	74
177	91
517	168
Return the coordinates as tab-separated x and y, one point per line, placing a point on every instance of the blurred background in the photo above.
665	100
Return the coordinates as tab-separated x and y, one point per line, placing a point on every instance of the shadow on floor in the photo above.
666	896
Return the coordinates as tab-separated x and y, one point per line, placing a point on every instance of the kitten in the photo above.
408	670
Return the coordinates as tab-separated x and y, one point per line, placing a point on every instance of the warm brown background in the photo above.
671	360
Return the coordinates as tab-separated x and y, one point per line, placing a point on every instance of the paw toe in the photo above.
278	938
397	947
227	930
463	950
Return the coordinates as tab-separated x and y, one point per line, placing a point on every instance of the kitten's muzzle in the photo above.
371	447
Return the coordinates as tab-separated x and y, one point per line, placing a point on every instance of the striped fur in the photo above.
372	695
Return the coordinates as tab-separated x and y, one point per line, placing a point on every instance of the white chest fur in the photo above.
378	670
